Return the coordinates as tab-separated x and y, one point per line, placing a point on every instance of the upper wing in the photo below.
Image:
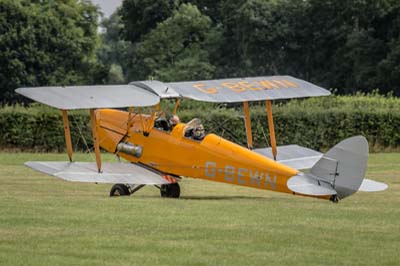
125	173
87	97
247	89
157	87
147	93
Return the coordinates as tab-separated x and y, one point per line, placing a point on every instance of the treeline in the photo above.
317	123
351	45
48	43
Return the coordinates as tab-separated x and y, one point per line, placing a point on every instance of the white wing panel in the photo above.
157	87
87	97
309	185
294	156
369	185
248	89
125	173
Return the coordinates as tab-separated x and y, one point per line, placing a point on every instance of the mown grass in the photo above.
46	221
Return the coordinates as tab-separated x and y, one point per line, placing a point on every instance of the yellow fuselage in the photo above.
213	158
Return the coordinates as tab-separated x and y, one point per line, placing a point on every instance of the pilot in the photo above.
198	132
173	121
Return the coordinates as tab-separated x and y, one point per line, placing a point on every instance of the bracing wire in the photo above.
263	132
89	151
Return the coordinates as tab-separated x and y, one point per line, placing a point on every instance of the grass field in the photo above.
46	221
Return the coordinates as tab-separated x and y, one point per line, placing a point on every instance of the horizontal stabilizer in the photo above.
125	173
344	165
91	97
339	171
308	185
294	156
369	185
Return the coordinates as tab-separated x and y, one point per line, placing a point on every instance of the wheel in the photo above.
334	199
170	191
119	190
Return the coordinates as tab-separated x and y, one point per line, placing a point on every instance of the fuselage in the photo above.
213	158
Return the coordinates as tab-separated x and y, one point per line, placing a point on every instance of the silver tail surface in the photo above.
339	173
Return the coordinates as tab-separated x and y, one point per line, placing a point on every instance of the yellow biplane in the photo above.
160	154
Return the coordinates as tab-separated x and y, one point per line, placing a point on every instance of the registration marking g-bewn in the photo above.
243	85
238	175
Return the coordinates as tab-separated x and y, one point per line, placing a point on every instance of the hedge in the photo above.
40	128
317	123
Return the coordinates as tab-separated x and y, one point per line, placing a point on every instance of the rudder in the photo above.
344	166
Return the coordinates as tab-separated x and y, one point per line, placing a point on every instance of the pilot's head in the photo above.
174	120
198	132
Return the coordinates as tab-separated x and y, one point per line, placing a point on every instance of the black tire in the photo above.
170	191
119	190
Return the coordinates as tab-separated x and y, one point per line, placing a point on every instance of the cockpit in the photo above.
195	130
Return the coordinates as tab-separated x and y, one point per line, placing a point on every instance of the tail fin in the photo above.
344	166
339	173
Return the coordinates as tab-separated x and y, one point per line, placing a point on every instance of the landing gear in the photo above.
170	191
119	190
334	199
167	191
124	190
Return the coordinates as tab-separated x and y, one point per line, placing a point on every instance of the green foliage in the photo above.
46	43
115	75
176	48
255	36
40	128
116	53
317	123
141	16
351	45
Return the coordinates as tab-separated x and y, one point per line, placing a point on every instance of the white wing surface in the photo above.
369	185
147	93
87	97
125	173
248	89
294	156
308	184
157	87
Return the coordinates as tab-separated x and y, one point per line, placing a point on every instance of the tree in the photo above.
349	45
360	37
47	43
141	16
177	48
114	52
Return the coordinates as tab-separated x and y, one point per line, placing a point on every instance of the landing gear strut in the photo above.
170	191
334	199
167	191
119	190
124	190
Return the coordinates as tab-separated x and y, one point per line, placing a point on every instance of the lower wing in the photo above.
125	173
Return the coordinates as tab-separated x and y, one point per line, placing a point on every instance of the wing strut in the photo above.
249	135
271	128
93	125
177	103
67	133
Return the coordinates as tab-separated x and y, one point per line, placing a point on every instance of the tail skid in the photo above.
339	173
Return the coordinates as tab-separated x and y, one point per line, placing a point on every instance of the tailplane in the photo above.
344	166
339	173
